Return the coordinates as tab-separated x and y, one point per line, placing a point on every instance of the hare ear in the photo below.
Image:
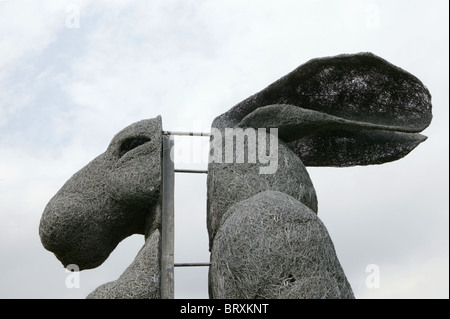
351	110
320	139
343	148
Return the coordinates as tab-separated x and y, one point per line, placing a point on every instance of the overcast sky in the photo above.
74	73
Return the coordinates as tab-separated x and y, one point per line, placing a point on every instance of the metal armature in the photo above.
167	221
168	214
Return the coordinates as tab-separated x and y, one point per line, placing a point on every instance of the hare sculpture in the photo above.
266	239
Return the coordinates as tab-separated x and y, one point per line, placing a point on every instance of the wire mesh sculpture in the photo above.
266	240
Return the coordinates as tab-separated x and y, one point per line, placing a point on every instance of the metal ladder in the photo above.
168	217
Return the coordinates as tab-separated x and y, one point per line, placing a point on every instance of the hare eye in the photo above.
131	143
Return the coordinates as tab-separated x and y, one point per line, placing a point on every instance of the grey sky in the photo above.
73	73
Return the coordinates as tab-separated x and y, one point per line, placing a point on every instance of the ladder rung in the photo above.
199	171
185	133
192	265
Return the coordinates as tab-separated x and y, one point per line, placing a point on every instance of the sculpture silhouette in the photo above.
266	240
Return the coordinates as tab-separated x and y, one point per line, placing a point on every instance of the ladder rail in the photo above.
168	215
167	221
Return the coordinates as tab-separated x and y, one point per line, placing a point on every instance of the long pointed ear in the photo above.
321	139
341	111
